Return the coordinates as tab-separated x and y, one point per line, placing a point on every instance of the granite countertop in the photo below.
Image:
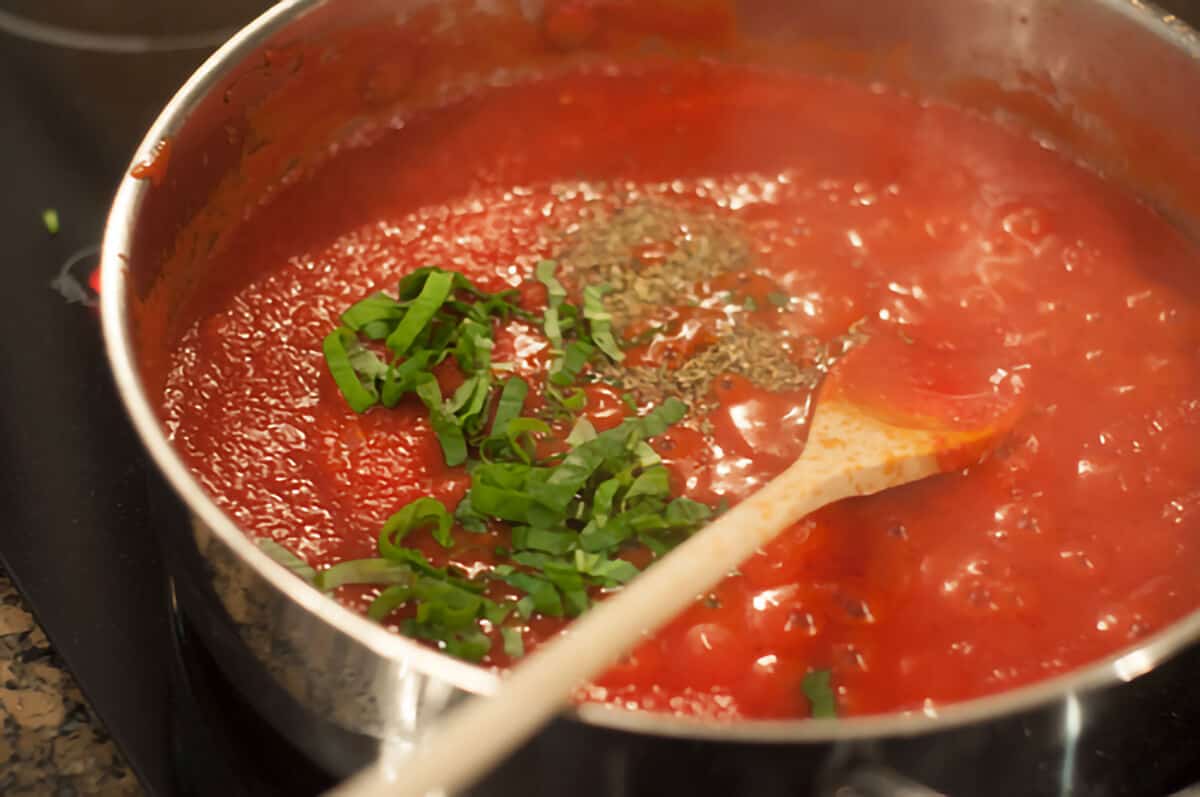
50	741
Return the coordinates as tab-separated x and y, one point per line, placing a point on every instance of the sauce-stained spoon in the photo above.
883	419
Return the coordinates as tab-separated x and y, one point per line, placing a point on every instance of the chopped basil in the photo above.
388	601
541	593
684	512
420	329
512	402
520	434
574	357
582	432
615	570
600	321
817	688
514	643
556	294
549	540
779	299
652	482
421	513
374	316
286	558
571	512
468	643
561	320
468	518
364	571
433	294
342	350
569	403
445	424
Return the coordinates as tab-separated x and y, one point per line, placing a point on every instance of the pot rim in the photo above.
1120	667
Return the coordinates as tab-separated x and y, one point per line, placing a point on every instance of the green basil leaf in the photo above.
819	691
662	417
469	644
535	560
503	490
375	316
573	402
600	321
686	513
388	601
507	475
596	538
541	593
339	346
510	405
566	368
365	571
467	406
417	315
445	426
468	518
582	432
411	283
602	500
421	513
617	571
555	294
496	613
657	546
286	558
514	643
404	378
569	581
570	475
546	540
544	273
473	348
501	503
520	431
654	482
442	604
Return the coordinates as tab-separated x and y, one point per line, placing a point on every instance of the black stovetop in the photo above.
77	535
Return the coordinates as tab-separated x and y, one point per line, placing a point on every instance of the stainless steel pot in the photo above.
1115	81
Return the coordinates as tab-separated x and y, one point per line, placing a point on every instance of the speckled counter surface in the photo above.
50	742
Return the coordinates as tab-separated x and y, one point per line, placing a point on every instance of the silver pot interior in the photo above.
1112	81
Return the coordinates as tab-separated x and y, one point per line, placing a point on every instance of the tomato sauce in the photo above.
1078	536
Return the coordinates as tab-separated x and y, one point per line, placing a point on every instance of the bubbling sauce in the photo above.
1077	537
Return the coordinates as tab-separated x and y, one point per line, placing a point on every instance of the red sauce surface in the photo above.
1075	538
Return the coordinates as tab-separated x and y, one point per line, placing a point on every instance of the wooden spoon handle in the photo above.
478	734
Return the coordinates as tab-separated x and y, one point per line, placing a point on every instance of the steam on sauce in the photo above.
743	232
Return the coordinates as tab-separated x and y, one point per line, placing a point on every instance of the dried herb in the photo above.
606	249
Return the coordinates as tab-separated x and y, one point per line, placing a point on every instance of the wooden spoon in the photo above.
850	451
